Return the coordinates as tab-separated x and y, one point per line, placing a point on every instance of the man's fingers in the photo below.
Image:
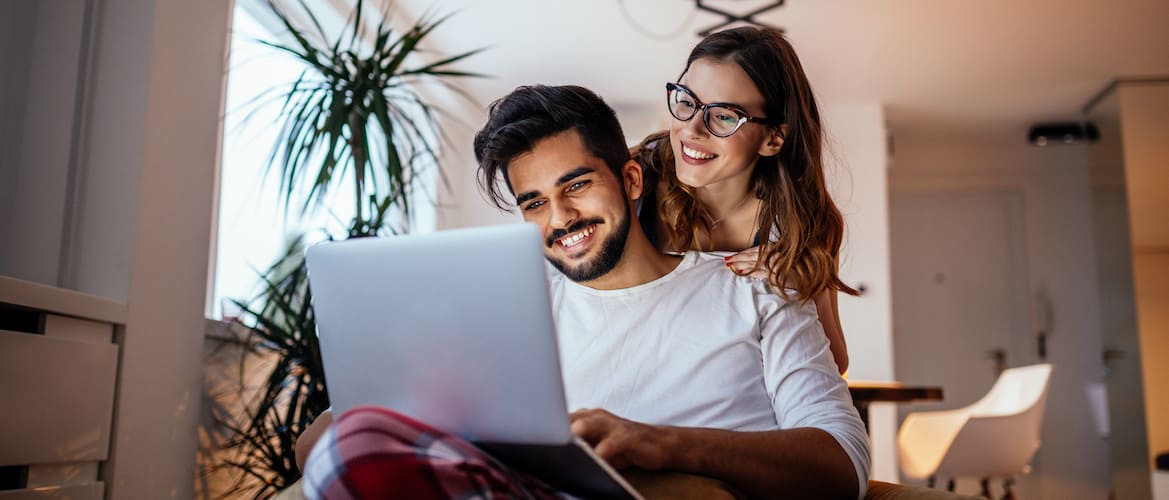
620	442
587	414
578	414
583	412
612	452
590	425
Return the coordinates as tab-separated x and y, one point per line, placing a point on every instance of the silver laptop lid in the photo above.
453	328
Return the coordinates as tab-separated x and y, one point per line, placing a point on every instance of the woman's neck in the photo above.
726	199
733	210
737	230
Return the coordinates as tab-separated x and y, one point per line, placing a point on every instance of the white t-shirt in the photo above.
703	347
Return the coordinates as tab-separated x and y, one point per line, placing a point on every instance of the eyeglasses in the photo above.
721	119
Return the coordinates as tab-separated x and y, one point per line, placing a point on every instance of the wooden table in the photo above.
866	392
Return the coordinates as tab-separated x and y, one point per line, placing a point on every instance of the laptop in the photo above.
455	329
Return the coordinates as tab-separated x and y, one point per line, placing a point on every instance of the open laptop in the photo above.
455	329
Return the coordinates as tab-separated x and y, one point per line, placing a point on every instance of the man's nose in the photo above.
563	215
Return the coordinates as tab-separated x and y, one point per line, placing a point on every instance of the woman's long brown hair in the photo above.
796	205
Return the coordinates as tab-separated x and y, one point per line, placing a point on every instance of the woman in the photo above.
740	170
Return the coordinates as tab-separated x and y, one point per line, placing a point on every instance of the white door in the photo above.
961	301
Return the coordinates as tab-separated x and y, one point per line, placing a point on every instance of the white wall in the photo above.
15	32
639	119
102	255
1144	116
1055	183
857	176
1151	288
45	52
460	202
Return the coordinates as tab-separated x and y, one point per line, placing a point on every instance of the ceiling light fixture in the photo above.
733	18
704	5
1045	134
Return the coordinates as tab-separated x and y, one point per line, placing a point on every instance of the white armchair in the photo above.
993	438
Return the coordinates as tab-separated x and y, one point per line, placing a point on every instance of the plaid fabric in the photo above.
372	452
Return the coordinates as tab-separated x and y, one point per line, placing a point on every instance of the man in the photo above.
676	364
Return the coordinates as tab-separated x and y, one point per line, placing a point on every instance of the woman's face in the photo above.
703	160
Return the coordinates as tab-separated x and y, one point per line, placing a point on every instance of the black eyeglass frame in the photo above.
704	108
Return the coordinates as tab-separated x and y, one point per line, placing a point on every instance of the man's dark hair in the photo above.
529	114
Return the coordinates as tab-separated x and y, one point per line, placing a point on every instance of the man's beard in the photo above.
611	250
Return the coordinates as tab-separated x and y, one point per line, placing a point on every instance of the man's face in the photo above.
580	206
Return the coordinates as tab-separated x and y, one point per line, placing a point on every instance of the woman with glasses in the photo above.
741	170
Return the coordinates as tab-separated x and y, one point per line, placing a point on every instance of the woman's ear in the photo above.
774	140
633	179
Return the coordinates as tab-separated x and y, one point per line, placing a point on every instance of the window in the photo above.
253	229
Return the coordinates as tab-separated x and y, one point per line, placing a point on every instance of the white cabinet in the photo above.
58	373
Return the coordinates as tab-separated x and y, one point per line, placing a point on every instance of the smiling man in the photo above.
575	251
671	362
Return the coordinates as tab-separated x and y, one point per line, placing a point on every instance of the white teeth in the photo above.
575	238
697	155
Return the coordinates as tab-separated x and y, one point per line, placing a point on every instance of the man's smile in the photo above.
575	236
575	239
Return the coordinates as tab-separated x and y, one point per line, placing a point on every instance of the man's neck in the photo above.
640	263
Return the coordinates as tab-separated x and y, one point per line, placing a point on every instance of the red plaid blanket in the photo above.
372	452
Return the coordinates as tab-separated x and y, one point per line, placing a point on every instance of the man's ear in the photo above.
774	140
631	176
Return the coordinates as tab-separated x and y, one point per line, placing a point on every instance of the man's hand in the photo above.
310	436
623	443
781	463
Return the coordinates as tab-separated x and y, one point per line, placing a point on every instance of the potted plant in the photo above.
354	114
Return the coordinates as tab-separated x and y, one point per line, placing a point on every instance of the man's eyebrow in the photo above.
522	197
577	172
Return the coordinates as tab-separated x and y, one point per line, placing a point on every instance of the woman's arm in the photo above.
830	320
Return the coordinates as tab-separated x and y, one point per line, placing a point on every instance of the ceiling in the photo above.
938	66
